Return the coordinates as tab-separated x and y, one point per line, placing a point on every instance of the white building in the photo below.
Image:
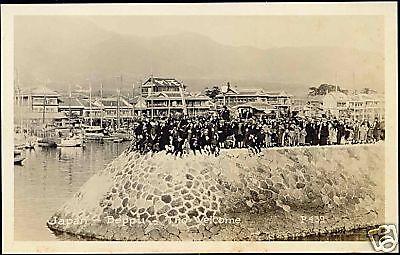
279	102
355	106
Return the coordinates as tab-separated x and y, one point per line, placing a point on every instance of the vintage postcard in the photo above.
199	127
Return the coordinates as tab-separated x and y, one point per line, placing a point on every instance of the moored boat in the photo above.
46	142
30	145
18	159
73	141
17	152
118	140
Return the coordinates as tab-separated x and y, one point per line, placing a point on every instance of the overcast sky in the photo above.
360	32
85	48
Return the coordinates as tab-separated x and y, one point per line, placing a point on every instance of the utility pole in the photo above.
118	98
133	100
69	106
19	100
151	91
183	99
101	103
44	104
118	109
90	103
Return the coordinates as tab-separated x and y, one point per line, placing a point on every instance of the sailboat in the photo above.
21	139
119	134
118	138
72	140
18	158
93	133
46	140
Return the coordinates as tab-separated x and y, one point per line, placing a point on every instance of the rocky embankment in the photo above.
282	194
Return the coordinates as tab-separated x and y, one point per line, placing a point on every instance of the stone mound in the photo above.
283	193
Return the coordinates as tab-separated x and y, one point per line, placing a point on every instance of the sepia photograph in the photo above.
172	128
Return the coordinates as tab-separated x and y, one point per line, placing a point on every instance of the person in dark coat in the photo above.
225	115
310	132
315	135
340	132
377	131
324	133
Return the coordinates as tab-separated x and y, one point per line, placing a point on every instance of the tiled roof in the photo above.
164	82
257	92
86	103
166	94
113	102
73	102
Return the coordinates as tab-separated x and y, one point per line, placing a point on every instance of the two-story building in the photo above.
366	106
37	106
71	106
38	99
115	108
168	96
278	102
354	106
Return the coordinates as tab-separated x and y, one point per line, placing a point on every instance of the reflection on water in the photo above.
48	178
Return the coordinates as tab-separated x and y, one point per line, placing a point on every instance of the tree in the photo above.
212	92
312	91
368	91
323	89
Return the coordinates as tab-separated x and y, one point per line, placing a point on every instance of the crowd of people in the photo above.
208	134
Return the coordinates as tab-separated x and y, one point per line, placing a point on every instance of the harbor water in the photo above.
48	178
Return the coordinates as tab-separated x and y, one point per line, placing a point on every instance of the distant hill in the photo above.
70	50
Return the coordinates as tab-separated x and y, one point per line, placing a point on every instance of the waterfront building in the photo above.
367	106
278	102
168	96
111	106
306	107
92	111
358	106
139	105
156	84
37	99
34	107
73	105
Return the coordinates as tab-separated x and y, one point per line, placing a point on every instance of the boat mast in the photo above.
44	110
152	88
44	105
102	109
19	101
183	98
118	108
120	78
90	103
133	100
69	106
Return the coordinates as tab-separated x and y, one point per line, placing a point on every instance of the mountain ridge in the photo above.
66	54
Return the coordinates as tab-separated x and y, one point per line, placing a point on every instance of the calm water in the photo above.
48	178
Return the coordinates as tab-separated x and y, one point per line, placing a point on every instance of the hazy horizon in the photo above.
255	51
